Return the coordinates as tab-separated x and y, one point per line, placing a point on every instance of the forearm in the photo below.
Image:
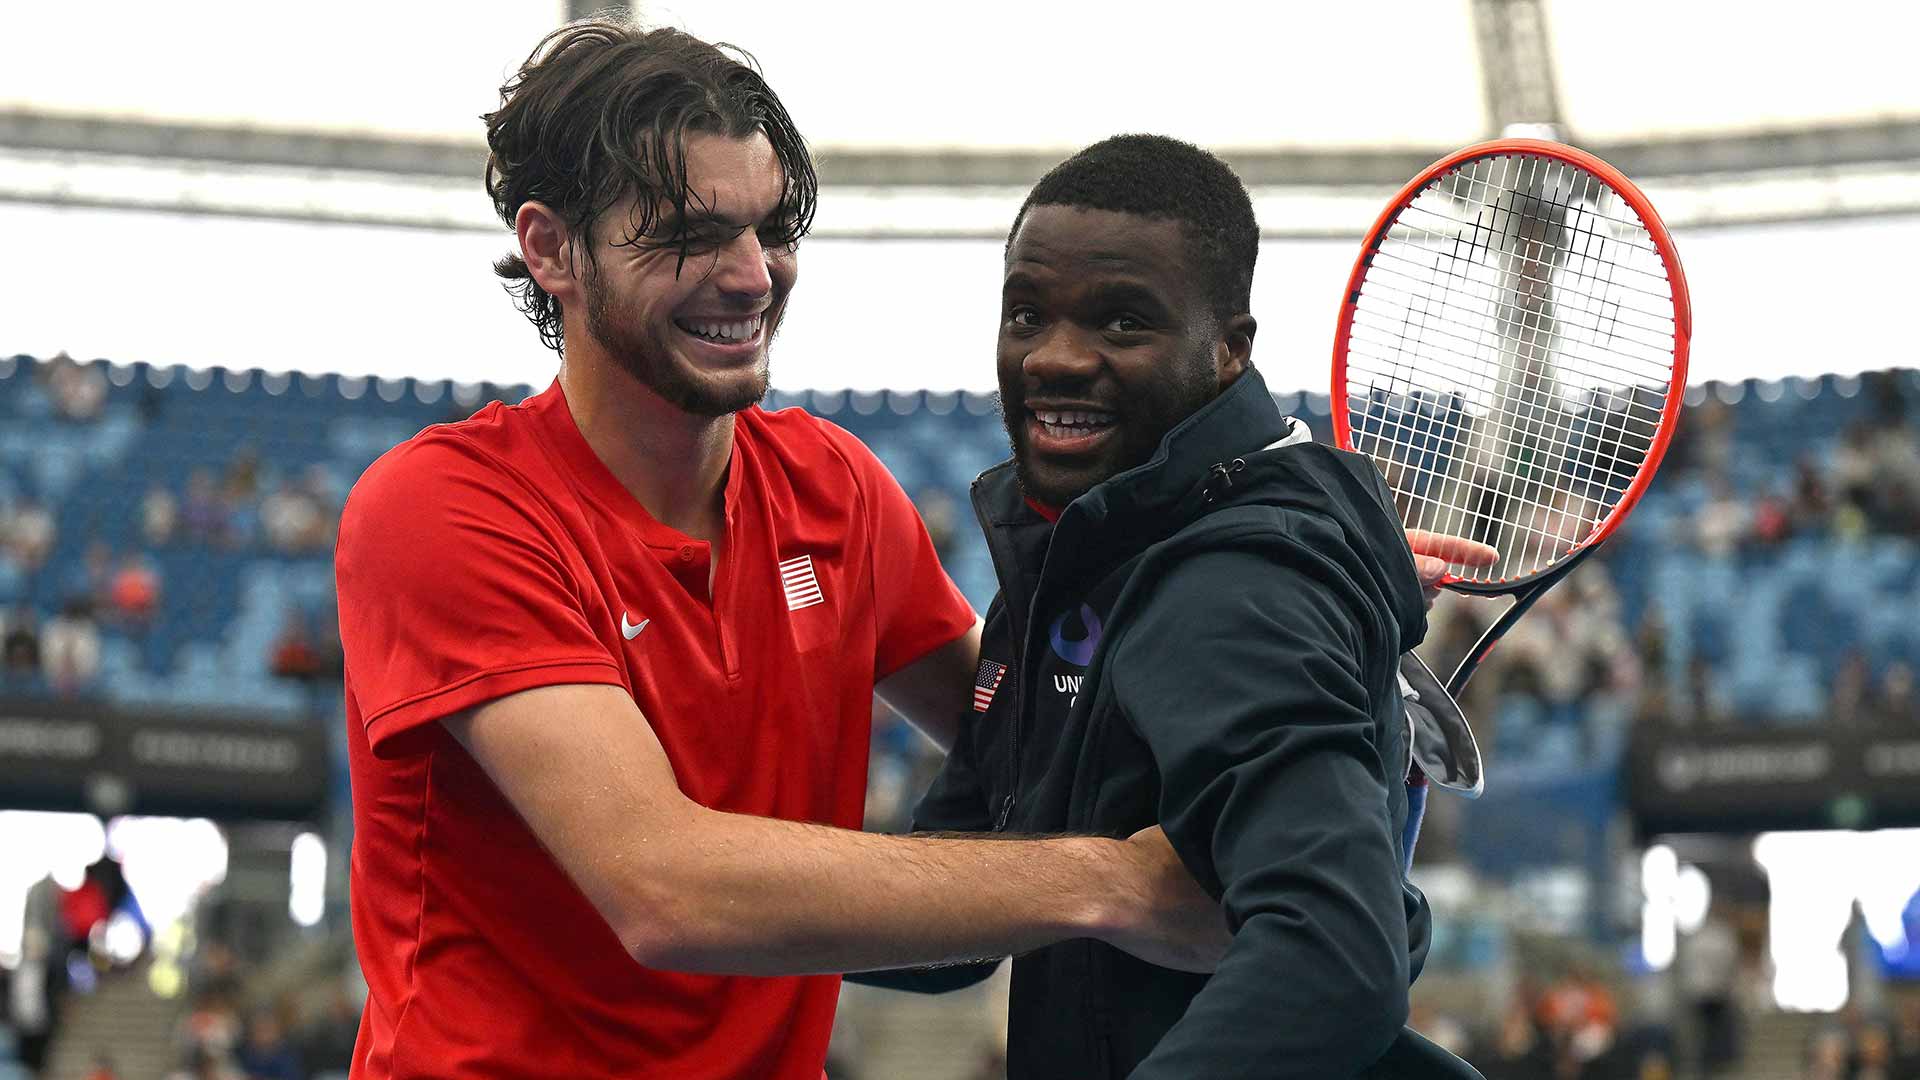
756	896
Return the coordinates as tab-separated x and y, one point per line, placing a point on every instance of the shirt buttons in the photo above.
686	554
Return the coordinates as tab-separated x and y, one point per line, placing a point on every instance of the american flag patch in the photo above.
986	682
797	580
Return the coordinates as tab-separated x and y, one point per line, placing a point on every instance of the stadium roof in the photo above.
296	187
997	73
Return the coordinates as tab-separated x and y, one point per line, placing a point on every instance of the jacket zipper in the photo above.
1002	561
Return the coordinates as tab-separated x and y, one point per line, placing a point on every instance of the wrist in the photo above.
1105	899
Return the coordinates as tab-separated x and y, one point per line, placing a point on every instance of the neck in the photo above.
673	462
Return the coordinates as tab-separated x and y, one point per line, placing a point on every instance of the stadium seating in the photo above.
1774	621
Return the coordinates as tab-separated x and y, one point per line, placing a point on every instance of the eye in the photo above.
1022	316
778	236
1126	324
700	241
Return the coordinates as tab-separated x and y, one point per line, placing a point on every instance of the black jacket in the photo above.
1209	642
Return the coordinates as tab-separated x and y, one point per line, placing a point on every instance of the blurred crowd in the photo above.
1864	482
71	939
238	507
230	1033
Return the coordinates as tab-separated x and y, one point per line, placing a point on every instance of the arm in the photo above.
1275	793
932	692
955	803
694	889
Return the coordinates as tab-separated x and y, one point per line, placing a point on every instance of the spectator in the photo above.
206	1063
27	532
211	1027
203	511
85	907
70	647
326	1045
79	391
1896	706
159	516
267	1053
89	580
1520	1050
1873	1053
241	483
1906	1037
293	520
1811	508
37	989
1848	700
1723	522
1579	1014
296	655
1827	1055
20	643
240	494
1772	520
1708	971
134	591
1706	700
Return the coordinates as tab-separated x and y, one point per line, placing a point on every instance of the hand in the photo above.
1433	552
1163	916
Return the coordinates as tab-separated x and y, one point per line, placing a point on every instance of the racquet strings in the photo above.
1510	356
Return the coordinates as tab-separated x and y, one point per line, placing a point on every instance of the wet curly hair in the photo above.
600	112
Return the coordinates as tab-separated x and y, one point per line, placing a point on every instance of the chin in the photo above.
701	391
1050	487
729	393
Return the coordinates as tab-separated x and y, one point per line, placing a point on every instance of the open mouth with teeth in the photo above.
743	331
1068	429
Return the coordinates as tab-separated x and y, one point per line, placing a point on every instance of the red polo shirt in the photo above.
498	554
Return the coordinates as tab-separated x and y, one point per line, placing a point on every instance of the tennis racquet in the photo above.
1511	353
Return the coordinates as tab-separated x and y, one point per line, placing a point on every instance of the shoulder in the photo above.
473	475
816	452
805	439
1259	570
445	458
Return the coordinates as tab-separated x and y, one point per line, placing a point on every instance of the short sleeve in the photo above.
453	591
917	607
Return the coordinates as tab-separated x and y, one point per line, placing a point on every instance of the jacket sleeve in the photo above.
1244	673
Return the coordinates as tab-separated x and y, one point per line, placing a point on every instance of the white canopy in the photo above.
1769	301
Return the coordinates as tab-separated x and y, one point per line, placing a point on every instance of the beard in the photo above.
645	353
1141	423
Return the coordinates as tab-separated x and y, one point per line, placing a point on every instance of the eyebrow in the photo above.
672	223
1109	294
1101	298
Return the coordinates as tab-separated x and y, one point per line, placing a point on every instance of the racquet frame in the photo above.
1529	588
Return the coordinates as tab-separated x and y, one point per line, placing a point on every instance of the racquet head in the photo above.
1512	351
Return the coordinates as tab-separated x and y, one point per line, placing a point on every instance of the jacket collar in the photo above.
1241	420
1129	512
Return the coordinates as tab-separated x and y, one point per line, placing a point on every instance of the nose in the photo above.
1060	355
741	267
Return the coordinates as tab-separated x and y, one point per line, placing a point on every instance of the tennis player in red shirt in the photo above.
611	651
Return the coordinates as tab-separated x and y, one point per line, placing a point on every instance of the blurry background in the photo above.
248	251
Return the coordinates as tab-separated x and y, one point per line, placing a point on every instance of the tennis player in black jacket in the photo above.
1199	625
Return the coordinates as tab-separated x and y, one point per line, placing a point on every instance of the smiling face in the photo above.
695	330
1107	342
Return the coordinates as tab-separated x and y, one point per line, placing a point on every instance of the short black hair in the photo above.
1160	177
601	111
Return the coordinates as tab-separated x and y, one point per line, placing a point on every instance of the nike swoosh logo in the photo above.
630	631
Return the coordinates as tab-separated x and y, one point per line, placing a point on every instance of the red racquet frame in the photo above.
1682	335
